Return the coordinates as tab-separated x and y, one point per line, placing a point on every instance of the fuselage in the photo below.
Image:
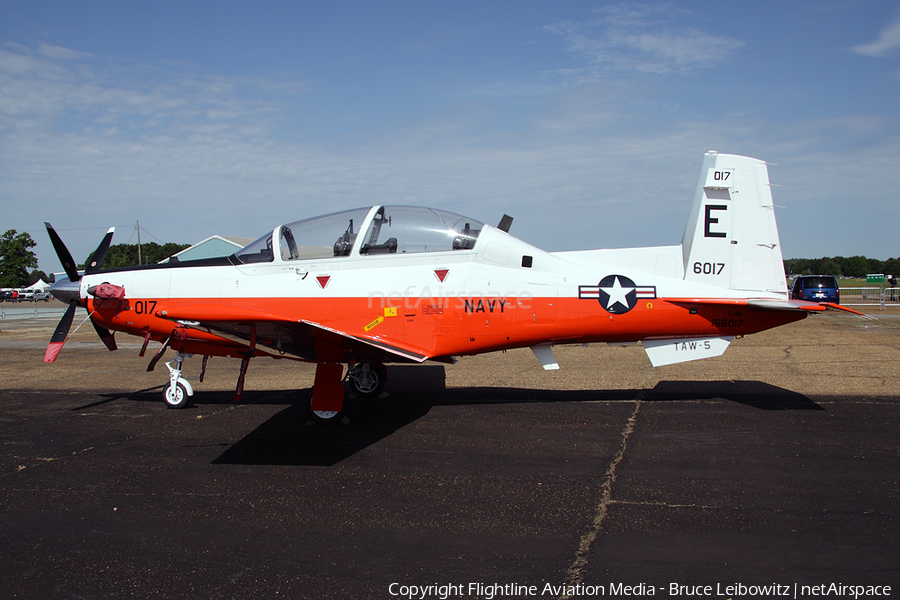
502	293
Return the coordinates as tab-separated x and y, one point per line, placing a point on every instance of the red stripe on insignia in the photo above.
588	291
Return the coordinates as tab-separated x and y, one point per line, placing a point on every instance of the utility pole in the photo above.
138	225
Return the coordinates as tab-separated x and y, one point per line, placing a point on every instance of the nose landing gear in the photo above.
177	394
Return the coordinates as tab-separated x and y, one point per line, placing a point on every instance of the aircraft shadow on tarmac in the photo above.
291	437
751	393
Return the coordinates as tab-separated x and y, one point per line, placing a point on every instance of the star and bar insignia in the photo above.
617	294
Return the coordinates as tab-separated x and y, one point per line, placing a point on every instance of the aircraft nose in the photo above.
65	290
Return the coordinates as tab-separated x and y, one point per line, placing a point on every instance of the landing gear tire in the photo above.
326	416
366	379
323	416
176	396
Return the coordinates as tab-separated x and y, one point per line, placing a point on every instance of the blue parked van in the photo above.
817	288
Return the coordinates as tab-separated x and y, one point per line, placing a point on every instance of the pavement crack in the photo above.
575	573
43	460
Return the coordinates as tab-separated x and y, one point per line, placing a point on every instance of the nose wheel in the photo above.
175	396
178	392
367	379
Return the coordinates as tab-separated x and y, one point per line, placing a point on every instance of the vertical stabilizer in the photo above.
731	239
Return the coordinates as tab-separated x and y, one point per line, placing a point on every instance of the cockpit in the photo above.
365	232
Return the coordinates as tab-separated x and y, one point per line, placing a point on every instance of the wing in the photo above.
302	339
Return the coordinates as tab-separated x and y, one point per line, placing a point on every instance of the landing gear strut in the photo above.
327	398
177	394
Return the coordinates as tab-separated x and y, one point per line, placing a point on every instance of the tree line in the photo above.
126	255
839	266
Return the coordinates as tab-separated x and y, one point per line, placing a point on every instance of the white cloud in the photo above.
86	142
887	40
60	53
23	64
645	39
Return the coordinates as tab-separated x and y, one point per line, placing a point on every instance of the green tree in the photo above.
856	266
37	275
829	266
16	258
875	266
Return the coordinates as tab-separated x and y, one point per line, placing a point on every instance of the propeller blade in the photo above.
99	254
59	336
105	335
68	265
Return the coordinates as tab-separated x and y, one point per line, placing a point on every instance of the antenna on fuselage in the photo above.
505	223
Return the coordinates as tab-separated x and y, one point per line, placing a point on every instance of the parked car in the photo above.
817	288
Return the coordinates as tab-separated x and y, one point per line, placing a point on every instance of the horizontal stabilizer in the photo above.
850	310
678	350
767	304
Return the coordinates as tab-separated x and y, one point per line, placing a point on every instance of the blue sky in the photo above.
586	121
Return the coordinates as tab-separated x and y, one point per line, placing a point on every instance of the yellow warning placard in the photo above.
378	321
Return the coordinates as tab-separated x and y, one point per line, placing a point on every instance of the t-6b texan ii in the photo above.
407	284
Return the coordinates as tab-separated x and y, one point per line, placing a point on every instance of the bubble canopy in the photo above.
371	231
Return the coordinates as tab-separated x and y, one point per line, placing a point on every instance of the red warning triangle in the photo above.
323	280
441	274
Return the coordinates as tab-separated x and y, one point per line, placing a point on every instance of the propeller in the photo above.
70	290
62	252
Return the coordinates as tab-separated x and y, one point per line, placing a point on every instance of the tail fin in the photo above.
731	239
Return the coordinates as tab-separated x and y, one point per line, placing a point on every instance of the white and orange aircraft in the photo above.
406	284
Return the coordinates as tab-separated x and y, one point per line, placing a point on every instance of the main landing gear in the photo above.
365	380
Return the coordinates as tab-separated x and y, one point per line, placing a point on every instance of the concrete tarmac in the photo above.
775	464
